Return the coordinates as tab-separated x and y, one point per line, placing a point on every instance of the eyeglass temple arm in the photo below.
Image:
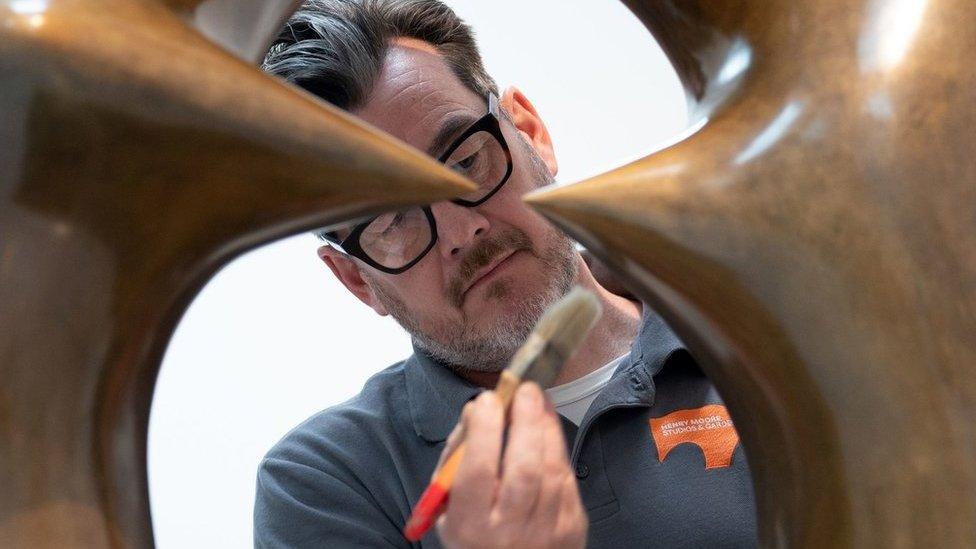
493	107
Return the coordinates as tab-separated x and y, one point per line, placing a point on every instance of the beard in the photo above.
463	346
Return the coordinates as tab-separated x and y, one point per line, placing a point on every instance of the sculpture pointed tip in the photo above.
577	204
549	200
421	182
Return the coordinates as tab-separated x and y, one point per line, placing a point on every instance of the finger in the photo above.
477	475
443	532
572	522
556	471
522	464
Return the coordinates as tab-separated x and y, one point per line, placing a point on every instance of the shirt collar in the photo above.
436	394
654	343
632	384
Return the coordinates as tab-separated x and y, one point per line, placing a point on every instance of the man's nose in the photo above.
457	227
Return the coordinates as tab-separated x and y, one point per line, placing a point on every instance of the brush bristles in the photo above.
557	335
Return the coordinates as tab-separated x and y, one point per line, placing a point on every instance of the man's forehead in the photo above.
415	93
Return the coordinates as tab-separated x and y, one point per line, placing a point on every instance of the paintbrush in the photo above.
556	336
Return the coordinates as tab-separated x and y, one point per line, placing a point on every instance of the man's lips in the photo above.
485	271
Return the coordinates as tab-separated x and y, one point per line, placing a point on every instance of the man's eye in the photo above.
465	164
393	224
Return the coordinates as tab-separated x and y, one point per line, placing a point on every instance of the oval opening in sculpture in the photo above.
274	338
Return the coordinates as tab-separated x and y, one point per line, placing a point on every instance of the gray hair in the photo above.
335	48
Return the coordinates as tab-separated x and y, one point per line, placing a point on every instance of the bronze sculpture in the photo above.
813	242
138	158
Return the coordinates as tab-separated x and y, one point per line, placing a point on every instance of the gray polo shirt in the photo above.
657	459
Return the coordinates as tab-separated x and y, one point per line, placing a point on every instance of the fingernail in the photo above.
486	399
531	394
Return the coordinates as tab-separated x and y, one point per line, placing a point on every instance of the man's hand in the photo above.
526	498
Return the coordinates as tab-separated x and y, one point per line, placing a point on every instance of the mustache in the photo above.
482	254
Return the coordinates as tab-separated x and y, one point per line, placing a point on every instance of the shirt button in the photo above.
582	471
636	383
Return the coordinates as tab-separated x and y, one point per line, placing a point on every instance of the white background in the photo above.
273	338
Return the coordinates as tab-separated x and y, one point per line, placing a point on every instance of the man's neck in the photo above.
610	337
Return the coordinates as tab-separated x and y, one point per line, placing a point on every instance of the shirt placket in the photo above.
632	387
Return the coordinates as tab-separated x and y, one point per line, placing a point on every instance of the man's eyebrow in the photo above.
448	130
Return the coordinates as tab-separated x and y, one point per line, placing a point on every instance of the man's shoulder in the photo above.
351	427
333	476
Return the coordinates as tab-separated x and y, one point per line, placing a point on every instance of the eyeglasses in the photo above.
394	242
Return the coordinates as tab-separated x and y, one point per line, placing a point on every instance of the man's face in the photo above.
473	299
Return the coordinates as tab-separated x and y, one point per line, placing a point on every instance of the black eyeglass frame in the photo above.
488	123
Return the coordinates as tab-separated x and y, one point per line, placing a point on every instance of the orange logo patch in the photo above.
709	427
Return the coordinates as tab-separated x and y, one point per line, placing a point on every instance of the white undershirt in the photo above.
573	399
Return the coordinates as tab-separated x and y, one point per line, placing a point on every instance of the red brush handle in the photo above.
430	506
434	499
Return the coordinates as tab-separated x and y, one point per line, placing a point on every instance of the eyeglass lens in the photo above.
481	159
395	239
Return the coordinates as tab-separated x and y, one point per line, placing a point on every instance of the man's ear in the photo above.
347	271
530	125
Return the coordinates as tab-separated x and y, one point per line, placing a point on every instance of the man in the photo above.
467	279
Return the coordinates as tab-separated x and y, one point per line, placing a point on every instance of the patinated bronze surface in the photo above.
815	245
137	158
